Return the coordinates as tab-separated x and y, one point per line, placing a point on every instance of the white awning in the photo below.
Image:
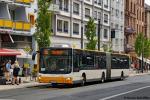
23	54
144	59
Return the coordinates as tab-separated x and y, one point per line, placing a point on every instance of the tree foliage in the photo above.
43	24
146	49
91	34
142	46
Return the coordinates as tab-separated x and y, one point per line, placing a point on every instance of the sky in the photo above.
148	2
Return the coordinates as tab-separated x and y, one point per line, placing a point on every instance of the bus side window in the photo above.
102	62
76	63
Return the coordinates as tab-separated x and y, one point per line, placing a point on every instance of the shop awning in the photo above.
23	54
9	52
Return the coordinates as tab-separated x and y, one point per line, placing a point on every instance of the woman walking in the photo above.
16	73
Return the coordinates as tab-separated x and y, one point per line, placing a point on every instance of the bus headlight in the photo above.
68	79
39	77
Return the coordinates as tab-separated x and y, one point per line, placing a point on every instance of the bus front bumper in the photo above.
59	80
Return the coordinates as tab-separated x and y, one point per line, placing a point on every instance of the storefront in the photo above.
8	54
5	55
25	61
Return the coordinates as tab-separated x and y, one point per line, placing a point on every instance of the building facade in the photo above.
17	26
134	23
117	25
147	21
71	18
17	23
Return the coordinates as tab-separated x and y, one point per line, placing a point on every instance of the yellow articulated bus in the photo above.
71	66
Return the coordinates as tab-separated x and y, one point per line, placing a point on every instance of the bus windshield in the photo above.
55	63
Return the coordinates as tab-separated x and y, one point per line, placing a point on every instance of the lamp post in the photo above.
99	28
81	34
142	60
82	4
142	55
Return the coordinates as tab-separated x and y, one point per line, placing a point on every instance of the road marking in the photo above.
106	98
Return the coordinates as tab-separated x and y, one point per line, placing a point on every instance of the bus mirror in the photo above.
33	55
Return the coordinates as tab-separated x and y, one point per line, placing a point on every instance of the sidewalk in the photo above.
133	73
25	83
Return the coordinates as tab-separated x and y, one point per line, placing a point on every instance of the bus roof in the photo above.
85	50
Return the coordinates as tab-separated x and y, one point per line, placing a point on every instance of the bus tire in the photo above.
83	82
122	75
103	77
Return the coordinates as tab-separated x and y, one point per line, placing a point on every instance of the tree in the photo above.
139	44
43	24
142	46
91	34
146	48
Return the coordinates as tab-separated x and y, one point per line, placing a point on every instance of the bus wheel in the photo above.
83	80
103	78
122	76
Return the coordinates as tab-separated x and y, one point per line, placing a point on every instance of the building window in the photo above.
85	28
66	26
117	12
99	2
122	14
95	15
59	25
116	26
105	33
29	39
121	27
95	1
112	10
76	8
106	3
76	28
105	18
112	25
66	4
116	42
31	19
60	4
18	38
87	12
99	15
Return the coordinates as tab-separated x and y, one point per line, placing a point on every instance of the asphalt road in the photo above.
132	88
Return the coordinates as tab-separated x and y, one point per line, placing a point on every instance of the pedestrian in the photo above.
7	72
34	72
2	68
16	73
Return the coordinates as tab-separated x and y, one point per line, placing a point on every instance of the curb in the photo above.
22	85
139	74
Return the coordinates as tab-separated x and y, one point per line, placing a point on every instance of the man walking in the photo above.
7	73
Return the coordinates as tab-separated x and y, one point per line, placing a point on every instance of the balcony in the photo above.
22	26
24	1
129	31
6	24
129	48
